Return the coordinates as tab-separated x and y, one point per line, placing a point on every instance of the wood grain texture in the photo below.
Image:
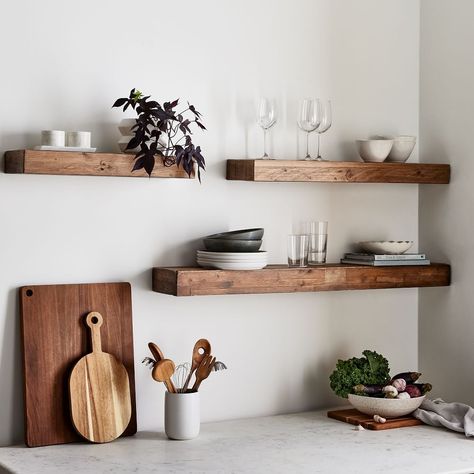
337	171
99	391
355	417
192	281
82	164
54	338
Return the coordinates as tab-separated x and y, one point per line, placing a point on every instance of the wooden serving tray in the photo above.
355	417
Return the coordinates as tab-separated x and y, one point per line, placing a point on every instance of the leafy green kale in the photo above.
371	369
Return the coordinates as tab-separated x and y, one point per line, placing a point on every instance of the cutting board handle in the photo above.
94	320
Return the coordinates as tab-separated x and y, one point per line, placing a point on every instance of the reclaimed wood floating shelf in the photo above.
337	171
193	281
82	164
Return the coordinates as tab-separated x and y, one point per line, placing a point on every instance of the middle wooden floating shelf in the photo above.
337	171
193	281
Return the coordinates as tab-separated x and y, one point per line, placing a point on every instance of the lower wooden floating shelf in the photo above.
83	164
193	281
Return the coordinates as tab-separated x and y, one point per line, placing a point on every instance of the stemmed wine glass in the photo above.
325	124
266	118
309	119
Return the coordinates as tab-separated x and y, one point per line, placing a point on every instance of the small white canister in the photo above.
53	138
78	139
182	415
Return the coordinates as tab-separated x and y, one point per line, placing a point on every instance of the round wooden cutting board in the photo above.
99	391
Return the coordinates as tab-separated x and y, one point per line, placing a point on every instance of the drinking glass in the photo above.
318	237
325	124
309	119
266	118
298	245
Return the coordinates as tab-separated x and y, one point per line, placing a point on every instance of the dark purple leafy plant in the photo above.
161	131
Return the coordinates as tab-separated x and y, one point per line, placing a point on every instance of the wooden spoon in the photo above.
156	351
163	371
202	348
203	371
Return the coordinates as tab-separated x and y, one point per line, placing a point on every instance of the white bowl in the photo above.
125	126
385	407
374	151
401	149
390	247
232	265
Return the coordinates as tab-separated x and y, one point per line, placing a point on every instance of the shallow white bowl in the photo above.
401	149
386	407
374	151
233	256
232	265
390	247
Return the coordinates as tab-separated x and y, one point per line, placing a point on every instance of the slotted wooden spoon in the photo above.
202	348
99	391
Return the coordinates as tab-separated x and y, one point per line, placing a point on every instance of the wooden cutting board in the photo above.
355	417
99	391
55	337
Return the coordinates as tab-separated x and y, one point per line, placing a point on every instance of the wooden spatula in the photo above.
99	391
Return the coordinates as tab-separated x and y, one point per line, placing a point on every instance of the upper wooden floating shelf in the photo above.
337	171
82	164
192	281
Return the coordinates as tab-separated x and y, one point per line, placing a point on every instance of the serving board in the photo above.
355	417
55	337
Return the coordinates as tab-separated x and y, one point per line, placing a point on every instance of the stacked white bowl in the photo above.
396	150
232	260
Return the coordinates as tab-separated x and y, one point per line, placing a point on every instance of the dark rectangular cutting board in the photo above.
55	337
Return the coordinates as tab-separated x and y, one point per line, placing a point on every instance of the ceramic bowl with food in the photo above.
374	151
401	149
386	247
385	407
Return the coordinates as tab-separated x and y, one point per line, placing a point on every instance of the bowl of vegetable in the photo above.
367	384
386	407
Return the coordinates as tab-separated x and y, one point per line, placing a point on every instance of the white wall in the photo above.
446	223
64	65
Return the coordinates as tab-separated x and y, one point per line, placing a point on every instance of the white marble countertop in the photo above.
304	442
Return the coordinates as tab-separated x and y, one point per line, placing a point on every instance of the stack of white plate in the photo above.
232	260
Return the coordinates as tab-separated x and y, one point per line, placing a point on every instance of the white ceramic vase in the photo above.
182	415
125	127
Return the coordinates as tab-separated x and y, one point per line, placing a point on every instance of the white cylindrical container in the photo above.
182	415
53	138
78	139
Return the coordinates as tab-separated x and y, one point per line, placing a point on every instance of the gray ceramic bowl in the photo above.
244	234
234	245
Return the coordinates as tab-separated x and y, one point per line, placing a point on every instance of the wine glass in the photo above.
266	118
309	118
325	125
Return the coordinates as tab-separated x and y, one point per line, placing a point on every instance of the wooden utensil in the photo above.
203	371
163	371
99	391
156	351
201	349
54	339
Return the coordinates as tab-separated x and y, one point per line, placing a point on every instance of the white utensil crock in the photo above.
182	415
